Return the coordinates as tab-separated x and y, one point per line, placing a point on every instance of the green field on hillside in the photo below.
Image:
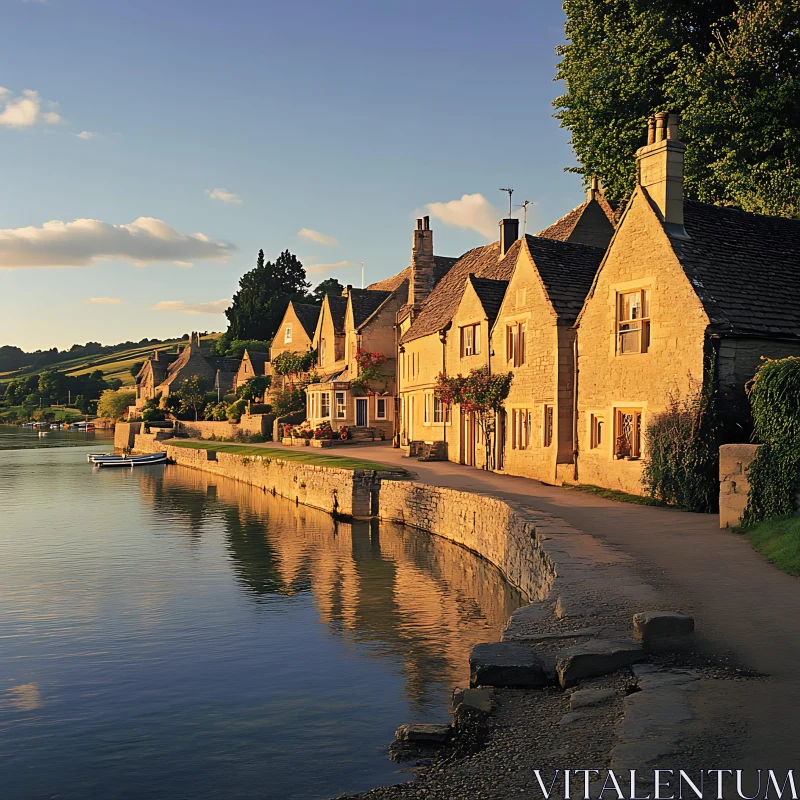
112	365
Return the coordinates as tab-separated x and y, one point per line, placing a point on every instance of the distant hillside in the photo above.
113	361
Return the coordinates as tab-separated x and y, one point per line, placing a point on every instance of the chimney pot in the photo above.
651	130
672	126
426	223
419	224
661	125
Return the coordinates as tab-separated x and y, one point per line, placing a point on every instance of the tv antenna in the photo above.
510	192
362	274
524	206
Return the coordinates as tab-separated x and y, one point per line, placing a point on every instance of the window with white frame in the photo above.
287	334
426	414
325	407
380	408
441	411
470	340
340	405
633	322
516	335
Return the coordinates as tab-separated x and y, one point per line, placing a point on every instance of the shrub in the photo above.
235	410
218	412
114	404
774	395
153	415
682	455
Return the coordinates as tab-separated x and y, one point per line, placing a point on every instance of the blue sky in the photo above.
345	119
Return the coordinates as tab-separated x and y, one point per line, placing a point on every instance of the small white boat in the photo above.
92	456
131	461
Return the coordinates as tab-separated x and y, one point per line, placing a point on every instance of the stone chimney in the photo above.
660	169
421	283
594	189
509	233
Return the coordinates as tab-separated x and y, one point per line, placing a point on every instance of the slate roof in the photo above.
491	293
744	267
365	303
441	266
258	360
308	315
338	306
562	228
567	271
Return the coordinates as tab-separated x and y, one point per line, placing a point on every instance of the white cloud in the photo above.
321	269
84	242
106	301
225	196
25	110
472	211
213	307
87	135
187	264
316	236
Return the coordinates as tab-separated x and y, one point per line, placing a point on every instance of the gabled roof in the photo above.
441	266
257	359
223	364
744	267
567	271
365	302
565	227
308	315
490	292
442	303
338	307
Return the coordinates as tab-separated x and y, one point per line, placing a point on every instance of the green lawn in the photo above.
615	494
304	455
778	540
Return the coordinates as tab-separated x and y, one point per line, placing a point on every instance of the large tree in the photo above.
616	68
263	295
328	286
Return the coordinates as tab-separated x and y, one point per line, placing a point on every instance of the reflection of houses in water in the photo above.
403	593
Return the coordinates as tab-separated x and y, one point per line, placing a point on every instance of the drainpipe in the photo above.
443	340
575	407
396	399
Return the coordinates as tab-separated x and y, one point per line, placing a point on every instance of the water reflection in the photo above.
401	592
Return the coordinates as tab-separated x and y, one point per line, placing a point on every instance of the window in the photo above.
515	343
321	358
287	334
627	433
380	408
547	430
441	411
597	424
341	407
427	410
470	340
633	322
326	405
519	297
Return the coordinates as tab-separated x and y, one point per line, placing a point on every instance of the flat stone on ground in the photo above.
476	700
506	664
663	630
590	697
424	733
595	658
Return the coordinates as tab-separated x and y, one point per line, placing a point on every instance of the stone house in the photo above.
296	332
686	293
163	374
253	365
471	320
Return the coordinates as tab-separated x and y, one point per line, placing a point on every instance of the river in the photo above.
168	633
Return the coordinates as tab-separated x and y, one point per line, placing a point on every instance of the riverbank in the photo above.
584	594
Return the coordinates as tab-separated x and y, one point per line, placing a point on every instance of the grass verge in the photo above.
620	497
778	540
304	457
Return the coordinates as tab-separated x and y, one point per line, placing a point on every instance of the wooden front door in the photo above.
467	438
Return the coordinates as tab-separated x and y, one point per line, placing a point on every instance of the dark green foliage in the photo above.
135	367
263	295
236	347
774	396
287	400
192	395
681	461
728	67
291	363
328	286
254	388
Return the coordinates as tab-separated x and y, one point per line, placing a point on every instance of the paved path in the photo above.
744	607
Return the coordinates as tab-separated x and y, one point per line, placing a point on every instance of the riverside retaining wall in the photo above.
347	492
